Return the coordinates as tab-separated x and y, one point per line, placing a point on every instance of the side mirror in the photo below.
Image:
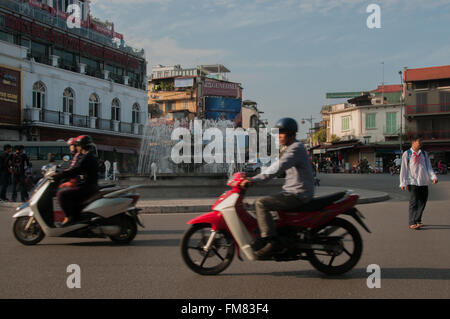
66	158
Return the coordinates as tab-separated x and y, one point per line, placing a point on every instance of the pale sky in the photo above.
287	53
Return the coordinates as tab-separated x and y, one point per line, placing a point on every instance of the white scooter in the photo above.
111	212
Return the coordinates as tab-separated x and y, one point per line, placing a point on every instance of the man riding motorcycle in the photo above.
298	188
87	168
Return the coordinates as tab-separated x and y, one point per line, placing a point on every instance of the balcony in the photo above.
38	116
432	134
427	109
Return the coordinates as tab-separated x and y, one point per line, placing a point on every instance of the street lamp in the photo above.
310	120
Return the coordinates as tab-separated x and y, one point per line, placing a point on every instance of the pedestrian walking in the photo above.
17	166
416	174
4	171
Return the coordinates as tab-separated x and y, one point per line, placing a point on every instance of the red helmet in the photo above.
72	141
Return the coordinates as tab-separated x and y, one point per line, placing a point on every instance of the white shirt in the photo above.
419	172
398	161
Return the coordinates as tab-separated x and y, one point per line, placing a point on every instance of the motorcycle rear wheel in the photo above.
29	237
211	262
343	229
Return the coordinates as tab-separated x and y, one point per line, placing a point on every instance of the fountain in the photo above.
157	144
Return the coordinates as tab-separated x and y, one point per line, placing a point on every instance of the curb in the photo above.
177	209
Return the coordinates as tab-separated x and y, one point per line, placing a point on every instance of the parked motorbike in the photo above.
111	212
314	233
395	170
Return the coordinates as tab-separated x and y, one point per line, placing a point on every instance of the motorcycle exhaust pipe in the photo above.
107	230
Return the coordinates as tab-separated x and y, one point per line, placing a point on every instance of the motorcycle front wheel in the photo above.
30	236
346	244
207	262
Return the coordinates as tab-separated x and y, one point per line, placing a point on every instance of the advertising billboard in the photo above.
222	108
220	88
10	95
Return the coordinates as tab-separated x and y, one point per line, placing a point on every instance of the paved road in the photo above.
414	264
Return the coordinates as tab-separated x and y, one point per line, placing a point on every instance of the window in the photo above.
94	105
39	51
391	122
421	102
420	85
167	107
39	95
135	113
68	100
444	100
115	110
370	121
345	124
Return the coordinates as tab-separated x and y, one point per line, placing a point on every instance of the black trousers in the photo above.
70	199
4	183
417	202
266	204
20	181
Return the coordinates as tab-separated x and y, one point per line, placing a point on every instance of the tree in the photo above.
320	136
335	138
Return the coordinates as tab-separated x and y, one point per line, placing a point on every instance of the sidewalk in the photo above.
200	205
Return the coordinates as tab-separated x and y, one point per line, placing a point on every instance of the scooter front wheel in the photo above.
206	260
28	231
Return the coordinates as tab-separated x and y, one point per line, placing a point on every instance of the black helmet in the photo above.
85	141
287	125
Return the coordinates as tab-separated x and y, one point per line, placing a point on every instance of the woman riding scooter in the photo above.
86	167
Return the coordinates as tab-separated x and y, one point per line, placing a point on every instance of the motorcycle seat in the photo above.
318	203
101	191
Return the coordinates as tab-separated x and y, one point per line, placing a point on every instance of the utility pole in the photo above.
401	111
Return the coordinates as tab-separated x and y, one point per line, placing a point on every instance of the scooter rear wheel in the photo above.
211	262
32	235
128	231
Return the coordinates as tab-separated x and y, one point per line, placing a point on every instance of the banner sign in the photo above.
10	96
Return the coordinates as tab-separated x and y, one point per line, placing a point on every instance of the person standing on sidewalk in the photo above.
4	171
18	161
416	173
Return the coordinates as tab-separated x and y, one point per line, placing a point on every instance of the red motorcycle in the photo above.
313	232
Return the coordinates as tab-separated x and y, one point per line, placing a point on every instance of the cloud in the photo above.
167	51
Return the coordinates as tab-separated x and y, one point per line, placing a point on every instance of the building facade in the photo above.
369	126
427	100
73	81
202	92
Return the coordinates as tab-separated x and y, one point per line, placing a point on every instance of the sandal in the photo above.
413	226
419	225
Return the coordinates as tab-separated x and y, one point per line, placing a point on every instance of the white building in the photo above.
69	84
367	123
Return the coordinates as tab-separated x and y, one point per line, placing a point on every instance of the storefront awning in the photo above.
125	150
339	148
106	148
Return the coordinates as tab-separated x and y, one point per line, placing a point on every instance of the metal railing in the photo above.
427	108
431	134
76	120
